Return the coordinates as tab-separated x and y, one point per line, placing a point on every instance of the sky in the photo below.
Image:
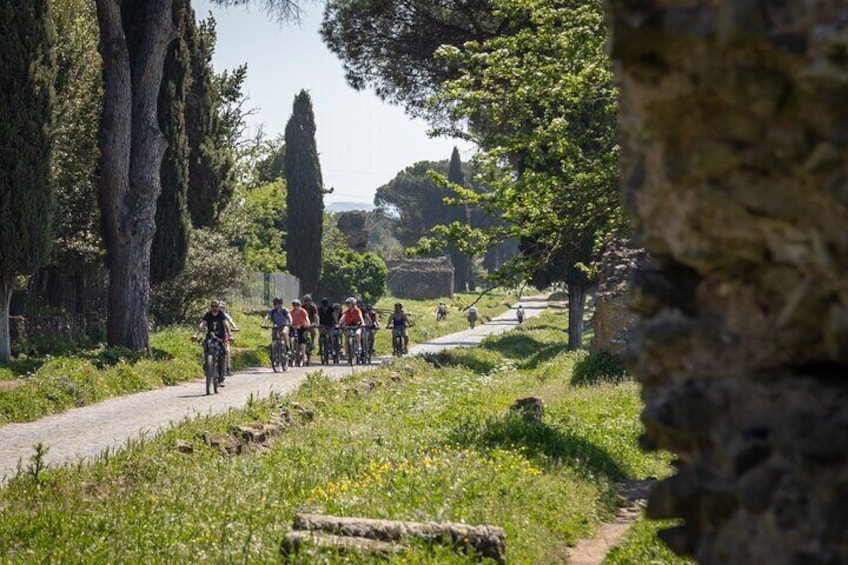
362	141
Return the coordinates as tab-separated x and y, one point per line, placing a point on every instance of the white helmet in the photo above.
351	300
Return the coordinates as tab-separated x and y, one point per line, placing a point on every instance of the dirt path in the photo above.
86	432
592	551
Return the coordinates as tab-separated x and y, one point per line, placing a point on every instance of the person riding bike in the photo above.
280	319
327	320
519	314
235	328
372	324
300	323
215	322
399	322
352	317
471	316
312	312
441	311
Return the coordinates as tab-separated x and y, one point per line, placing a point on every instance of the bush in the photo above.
598	367
358	274
212	269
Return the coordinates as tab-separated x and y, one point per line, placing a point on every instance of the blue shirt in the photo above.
279	317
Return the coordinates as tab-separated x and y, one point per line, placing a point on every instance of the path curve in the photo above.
83	433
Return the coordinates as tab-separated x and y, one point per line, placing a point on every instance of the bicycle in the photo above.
279	353
325	342
352	356
397	340
299	358
214	362
337	344
368	344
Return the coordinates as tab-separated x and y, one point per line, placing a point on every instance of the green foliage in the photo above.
424	443
79	100
598	367
212	269
262	240
389	45
214	120
170	242
27	97
357	274
304	195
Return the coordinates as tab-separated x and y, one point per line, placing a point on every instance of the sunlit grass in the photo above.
411	440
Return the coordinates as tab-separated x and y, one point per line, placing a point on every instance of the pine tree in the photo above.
304	198
26	184
170	243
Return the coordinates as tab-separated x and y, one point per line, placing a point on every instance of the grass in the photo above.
33	386
641	546
412	440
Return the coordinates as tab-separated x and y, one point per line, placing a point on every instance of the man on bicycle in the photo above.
300	323
215	322
280	320
372	324
312	312
327	320
441	311
399	322
352	317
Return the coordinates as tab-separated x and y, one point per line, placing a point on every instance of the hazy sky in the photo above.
363	142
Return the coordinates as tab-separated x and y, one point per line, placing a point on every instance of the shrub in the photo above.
358	274
212	269
598	367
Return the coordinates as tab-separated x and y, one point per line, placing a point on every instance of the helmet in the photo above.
278	300
307	298
325	302
398	306
214	304
295	302
351	300
337	306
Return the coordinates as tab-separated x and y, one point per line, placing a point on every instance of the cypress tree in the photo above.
304	196
459	213
26	184
170	242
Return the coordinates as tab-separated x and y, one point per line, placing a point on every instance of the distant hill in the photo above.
348	206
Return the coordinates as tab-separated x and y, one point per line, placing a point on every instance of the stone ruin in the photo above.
421	279
735	148
353	225
613	318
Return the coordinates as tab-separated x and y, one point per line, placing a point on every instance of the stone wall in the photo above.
735	144
421	279
613	318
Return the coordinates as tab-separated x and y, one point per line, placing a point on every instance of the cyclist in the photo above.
352	317
441	311
280	320
327	319
215	322
300	323
372	324
472	316
232	326
312	312
399	322
519	314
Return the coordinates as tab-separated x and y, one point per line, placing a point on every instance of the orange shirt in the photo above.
299	317
352	316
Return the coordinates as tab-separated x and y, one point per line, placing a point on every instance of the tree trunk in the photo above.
576	303
5	301
133	43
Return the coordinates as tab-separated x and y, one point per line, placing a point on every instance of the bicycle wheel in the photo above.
209	367
276	356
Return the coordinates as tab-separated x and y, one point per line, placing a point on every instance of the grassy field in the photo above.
61	377
418	439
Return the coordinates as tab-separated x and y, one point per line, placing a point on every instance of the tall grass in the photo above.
412	440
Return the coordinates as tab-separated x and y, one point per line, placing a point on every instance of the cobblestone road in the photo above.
88	431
